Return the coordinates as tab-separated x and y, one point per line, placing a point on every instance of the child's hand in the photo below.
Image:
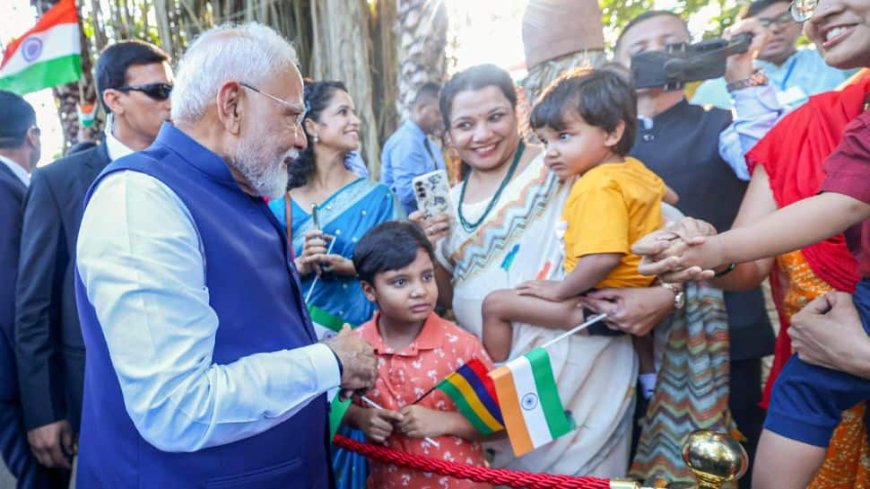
420	422
542	289
377	424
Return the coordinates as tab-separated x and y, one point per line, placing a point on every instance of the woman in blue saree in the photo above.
329	209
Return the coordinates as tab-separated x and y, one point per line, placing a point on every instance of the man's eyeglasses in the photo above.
157	91
782	19
802	10
300	119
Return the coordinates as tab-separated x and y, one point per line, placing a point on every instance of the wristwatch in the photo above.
679	295
756	79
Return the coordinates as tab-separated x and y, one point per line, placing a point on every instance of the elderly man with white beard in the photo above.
203	368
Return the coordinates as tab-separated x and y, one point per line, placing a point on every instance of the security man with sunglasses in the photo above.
794	73
133	81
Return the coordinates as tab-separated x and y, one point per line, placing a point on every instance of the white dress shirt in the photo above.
140	258
114	147
17	169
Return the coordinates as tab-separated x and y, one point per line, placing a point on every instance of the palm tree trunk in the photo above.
341	51
422	33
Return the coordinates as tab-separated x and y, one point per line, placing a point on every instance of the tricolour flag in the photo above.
473	392
529	401
326	325
45	56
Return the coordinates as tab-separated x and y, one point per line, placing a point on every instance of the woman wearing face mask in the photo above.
789	165
503	233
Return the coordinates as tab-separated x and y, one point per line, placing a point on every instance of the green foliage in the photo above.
707	19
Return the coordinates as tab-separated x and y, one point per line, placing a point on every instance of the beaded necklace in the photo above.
471	226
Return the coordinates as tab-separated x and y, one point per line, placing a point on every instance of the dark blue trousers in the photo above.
807	400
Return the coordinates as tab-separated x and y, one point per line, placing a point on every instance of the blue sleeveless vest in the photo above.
255	291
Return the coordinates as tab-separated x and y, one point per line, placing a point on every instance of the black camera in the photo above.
681	63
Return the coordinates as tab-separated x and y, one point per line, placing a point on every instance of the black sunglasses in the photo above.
157	91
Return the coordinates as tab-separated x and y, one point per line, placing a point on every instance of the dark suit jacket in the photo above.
12	192
49	343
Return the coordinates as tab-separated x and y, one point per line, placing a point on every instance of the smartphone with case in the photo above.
432	192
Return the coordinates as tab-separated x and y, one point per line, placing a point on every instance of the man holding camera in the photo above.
794	73
698	153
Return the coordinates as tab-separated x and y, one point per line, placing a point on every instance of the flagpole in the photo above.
317	277
576	329
426	393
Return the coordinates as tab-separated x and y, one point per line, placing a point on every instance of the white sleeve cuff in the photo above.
325	365
752	102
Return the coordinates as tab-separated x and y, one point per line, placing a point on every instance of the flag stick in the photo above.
426	393
378	406
314	282
576	329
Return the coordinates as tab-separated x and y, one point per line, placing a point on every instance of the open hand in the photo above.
542	289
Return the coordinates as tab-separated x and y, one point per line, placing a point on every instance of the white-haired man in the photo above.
202	367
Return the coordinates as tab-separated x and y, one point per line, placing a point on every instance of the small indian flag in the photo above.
47	55
529	401
326	325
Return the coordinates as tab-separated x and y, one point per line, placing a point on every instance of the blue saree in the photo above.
346	215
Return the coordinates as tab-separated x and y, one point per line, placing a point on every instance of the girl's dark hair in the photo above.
476	78
317	96
601	97
389	246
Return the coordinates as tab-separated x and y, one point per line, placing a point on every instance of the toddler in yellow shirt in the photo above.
587	121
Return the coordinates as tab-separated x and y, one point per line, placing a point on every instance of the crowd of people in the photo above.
188	295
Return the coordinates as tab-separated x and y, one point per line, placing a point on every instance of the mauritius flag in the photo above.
529	401
472	391
45	56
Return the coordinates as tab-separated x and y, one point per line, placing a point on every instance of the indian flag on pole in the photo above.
529	401
45	56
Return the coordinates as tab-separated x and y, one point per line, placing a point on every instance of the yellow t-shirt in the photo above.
609	208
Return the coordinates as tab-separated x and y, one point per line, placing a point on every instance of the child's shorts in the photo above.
808	401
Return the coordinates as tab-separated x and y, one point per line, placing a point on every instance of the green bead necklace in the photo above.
471	226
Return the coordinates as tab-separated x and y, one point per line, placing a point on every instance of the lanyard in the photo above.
788	72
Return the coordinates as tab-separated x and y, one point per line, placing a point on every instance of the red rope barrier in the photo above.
504	477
